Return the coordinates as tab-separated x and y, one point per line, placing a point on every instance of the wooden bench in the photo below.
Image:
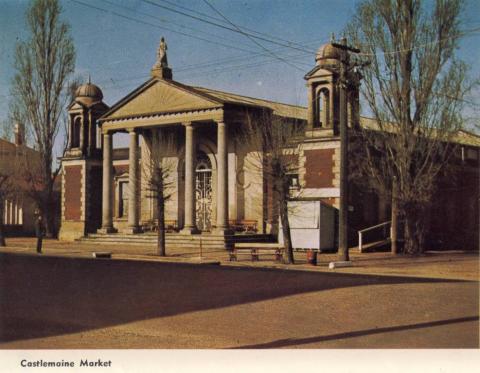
257	249
152	226
243	225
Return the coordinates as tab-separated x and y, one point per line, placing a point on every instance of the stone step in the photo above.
195	244
176	240
154	238
178	237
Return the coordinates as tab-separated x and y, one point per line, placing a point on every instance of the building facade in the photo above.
214	179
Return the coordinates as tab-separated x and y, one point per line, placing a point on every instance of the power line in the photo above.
213	71
159	27
171	22
461	34
287	45
251	38
223	21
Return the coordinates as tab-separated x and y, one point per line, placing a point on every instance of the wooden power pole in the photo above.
345	67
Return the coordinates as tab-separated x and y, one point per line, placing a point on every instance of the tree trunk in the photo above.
49	224
49	213
287	239
2	227
394	219
413	230
160	217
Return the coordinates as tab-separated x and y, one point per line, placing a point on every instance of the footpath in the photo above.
453	264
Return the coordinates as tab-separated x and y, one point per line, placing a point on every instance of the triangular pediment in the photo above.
318	71
161	96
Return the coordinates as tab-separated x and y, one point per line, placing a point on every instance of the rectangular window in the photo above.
293	181
123	199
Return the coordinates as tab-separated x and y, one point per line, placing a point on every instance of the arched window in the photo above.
318	108
322	108
76	128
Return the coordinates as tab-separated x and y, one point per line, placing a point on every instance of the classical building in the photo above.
197	132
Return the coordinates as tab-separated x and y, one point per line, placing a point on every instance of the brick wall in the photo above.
73	192
319	168
94	220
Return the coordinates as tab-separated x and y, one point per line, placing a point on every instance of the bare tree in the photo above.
6	192
277	144
414	88
158	170
43	66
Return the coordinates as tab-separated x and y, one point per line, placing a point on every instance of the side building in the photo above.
18	206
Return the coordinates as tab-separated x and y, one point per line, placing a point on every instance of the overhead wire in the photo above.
287	45
196	66
165	28
158	26
161	27
222	20
173	23
251	38
421	46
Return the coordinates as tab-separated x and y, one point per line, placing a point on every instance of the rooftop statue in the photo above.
162	54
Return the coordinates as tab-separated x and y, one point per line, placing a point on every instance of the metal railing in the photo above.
361	232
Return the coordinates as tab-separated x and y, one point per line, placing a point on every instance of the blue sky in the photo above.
118	52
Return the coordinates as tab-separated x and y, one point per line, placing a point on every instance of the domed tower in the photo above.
323	84
83	112
82	165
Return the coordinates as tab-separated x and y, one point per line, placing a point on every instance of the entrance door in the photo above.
203	192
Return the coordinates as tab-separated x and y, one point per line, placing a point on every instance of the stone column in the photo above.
70	126
107	224
222	178
82	133
311	106
190	223
90	127
133	182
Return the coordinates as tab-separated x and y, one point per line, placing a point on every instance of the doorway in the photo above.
203	192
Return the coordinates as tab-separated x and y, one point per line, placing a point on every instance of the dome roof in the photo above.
89	90
88	94
328	51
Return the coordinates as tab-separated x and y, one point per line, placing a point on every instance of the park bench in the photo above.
243	225
257	249
151	226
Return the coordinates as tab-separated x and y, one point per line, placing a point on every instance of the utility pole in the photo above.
345	68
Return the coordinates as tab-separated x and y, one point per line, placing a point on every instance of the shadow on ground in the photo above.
48	296
289	342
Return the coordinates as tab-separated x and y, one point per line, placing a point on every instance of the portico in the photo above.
189	122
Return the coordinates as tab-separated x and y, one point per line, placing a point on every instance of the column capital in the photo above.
132	131
188	124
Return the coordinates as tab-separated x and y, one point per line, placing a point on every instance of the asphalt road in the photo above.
51	302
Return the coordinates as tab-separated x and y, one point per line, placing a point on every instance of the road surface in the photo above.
53	302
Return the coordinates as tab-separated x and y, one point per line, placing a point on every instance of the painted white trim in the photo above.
319	192
332	144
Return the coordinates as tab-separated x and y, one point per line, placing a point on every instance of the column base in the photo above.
132	230
190	230
222	231
106	230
